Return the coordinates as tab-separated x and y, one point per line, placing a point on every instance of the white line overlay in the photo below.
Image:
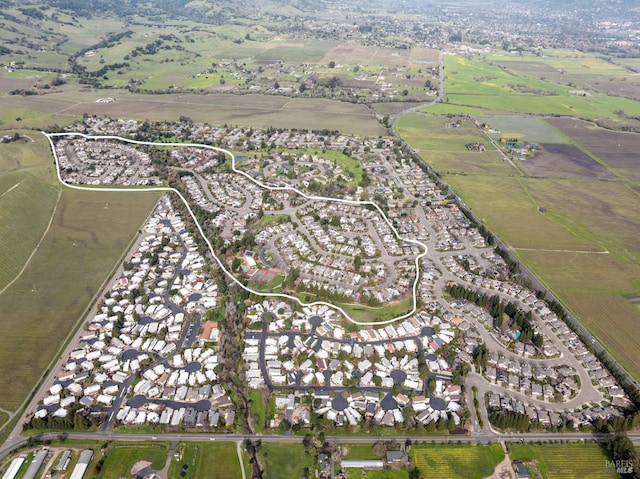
50	137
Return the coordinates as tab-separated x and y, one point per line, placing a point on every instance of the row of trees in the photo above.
520	320
510	420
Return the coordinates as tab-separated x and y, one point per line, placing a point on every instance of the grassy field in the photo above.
217	460
564	461
509	85
84	243
284	461
258	409
358	451
456	461
531	129
365	313
27	204
3	418
121	457
439	137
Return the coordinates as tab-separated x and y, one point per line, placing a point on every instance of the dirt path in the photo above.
239	449
504	470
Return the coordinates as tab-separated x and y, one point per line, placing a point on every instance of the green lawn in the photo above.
121	457
215	460
284	461
365	313
358	451
468	461
564	461
258	409
268	219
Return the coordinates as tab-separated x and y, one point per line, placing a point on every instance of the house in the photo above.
395	457
521	470
209	332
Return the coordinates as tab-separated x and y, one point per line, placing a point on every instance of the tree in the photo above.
481	356
332	64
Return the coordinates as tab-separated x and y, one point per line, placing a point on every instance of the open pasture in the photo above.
26	204
31	154
466	75
468	163
612	319
453	461
284	461
121	457
258	111
438	133
295	51
507	208
479	82
603	212
214	461
564	161
350	54
449	109
564	461
525	128
89	233
619	150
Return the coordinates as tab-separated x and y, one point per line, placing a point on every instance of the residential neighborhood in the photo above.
150	353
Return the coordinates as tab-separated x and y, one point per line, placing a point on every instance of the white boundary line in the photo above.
50	137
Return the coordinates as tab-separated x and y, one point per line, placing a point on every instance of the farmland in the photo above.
27	204
577	232
456	461
284	461
618	150
535	86
258	111
566	461
212	460
89	233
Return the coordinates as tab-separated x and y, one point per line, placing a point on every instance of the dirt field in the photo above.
564	161
618	149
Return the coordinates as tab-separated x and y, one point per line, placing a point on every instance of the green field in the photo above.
83	245
456	461
358	451
121	457
26	204
284	461
365	313
211	460
564	461
258	409
527	128
500	84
